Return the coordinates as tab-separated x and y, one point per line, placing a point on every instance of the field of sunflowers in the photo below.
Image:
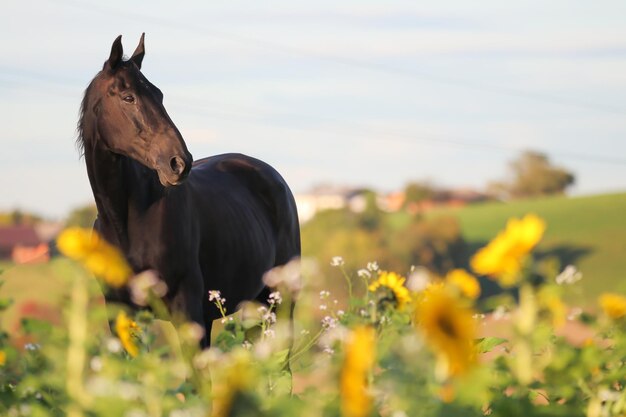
401	344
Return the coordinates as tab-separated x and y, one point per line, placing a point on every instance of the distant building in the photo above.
391	202
447	198
27	243
334	197
329	198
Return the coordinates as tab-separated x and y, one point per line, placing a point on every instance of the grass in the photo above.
37	290
589	232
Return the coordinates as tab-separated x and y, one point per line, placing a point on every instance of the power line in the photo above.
363	130
371	66
258	116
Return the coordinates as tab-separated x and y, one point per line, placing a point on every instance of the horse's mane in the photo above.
84	119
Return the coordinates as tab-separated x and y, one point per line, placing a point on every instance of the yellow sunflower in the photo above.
503	258
232	378
465	282
613	305
449	329
395	283
127	331
360	351
101	258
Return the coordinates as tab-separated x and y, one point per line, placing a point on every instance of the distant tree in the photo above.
415	192
371	216
82	216
19	217
532	174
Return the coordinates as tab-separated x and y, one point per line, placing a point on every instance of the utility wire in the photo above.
260	116
371	66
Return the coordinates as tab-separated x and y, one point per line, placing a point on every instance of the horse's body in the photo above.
217	225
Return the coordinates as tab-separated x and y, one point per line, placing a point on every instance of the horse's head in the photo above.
130	118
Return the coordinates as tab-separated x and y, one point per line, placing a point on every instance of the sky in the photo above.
357	92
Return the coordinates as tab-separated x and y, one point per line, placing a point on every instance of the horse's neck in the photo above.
120	186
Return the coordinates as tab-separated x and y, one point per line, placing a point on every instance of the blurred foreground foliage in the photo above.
399	346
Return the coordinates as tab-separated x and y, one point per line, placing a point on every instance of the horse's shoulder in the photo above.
249	170
258	178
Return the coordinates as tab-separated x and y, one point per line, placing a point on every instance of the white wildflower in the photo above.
216	297
418	279
145	283
333	335
569	276
329	322
324	294
323	307
606	394
269	317
96	364
328	350
364	273
574	313
269	333
337	261
340	313
275	298
500	313
288	275
262	349
113	345
372	266
191	332
206	358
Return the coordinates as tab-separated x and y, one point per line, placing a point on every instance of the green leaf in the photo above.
487	344
278	359
232	336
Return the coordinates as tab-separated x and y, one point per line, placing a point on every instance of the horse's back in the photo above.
245	176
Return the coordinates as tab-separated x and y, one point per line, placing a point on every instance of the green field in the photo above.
37	290
589	232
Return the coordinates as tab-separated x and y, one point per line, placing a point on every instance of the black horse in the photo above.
215	224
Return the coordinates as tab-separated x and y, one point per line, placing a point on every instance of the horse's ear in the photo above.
117	51
139	52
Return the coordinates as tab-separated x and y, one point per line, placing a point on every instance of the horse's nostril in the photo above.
177	164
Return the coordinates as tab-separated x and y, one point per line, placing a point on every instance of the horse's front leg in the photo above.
190	300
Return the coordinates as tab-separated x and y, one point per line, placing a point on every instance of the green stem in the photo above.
348	281
76	354
308	346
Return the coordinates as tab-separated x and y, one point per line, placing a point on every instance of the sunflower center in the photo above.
447	326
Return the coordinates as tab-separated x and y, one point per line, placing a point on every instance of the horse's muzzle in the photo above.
175	171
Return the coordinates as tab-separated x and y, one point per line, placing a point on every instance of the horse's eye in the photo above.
129	99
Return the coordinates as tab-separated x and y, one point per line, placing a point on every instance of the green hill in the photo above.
589	232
